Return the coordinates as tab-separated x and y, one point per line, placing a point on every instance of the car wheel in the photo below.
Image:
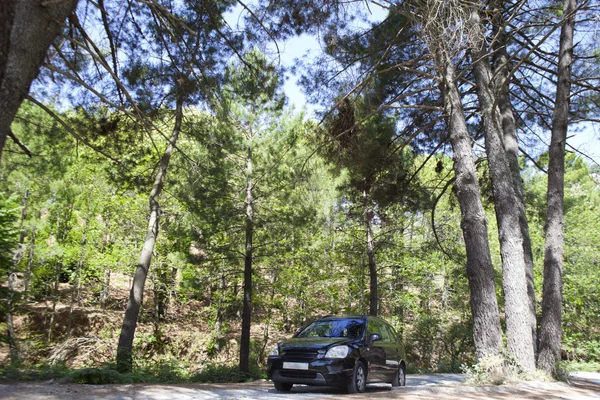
359	379
283	387
400	377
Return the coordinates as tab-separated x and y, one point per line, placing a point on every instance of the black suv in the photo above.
346	351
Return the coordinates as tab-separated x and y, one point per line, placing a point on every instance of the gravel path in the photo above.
435	387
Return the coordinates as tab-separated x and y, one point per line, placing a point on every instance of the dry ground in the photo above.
574	390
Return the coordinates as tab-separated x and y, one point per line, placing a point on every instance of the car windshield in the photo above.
350	328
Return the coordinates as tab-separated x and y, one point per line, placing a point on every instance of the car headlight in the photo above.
275	351
337	352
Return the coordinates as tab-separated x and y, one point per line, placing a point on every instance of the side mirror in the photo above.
374	337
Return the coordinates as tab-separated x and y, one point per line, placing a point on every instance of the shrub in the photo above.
495	370
96	376
214	373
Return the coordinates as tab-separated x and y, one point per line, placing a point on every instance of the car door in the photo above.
375	352
391	345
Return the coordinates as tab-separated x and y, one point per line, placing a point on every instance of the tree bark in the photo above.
7	17
12	277
247	304
75	298
30	256
269	315
219	316
373	287
519	341
27	29
480	271
551	330
57	270
55	294
10	327
511	147
105	289
125	346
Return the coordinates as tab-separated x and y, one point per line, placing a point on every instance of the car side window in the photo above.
379	327
372	328
385	334
394	334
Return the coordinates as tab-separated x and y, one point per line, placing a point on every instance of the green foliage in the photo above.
86	217
41	372
96	376
165	371
214	346
9	231
255	83
581	346
161	372
433	344
365	143
214	373
572	366
581	308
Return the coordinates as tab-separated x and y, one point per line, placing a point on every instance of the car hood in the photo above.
313	343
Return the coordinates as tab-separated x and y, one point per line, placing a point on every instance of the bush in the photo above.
163	371
495	370
580	366
40	372
581	348
96	376
227	374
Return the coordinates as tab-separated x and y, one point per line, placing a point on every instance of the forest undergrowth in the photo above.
180	347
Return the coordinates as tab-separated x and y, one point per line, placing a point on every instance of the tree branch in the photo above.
69	129
20	144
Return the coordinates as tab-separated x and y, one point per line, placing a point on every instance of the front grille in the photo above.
299	355
298	374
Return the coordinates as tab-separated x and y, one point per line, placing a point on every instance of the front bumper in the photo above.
325	372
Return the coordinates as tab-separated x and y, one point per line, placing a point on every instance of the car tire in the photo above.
359	378
400	377
283	387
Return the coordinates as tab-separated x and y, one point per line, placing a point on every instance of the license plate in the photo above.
295	365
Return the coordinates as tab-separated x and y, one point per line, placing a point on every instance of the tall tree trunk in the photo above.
75	293
55	294
30	256
12	277
269	315
125	346
399	288
7	17
157	292
373	287
219	316
511	147
27	29
10	305
551	330
247	306
519	318
480	271
105	289
10	327
57	270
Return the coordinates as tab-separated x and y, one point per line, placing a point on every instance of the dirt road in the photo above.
436	387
